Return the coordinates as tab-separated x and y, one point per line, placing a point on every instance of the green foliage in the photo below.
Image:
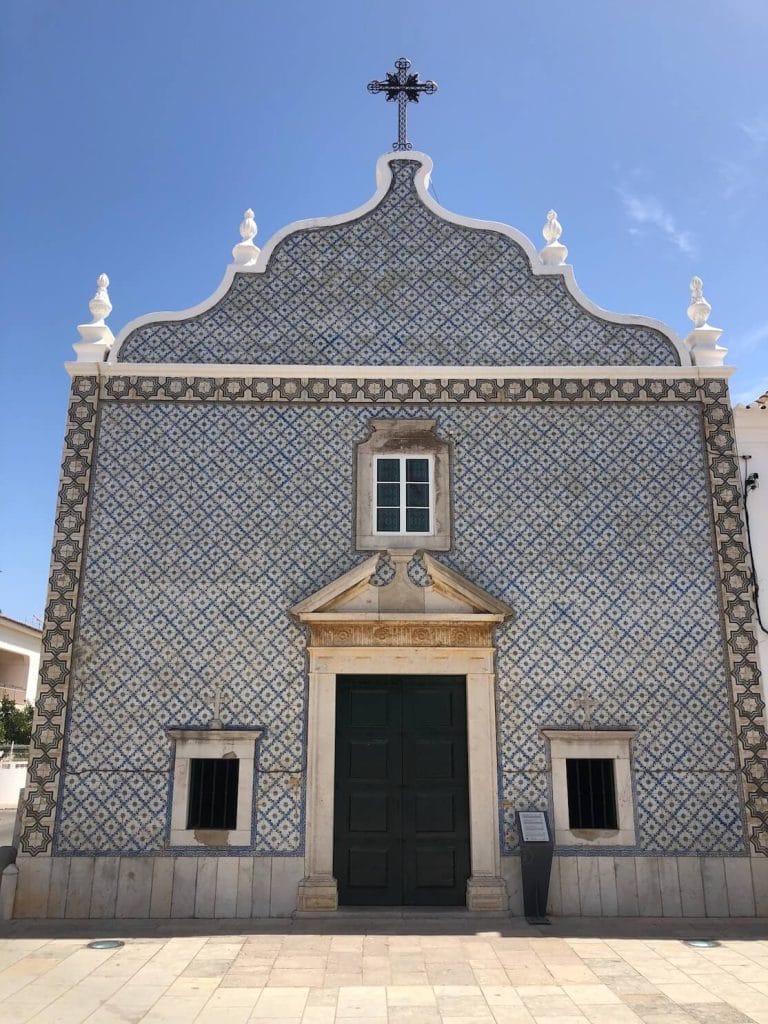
15	723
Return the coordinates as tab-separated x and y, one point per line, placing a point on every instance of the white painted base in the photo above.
245	887
649	886
157	887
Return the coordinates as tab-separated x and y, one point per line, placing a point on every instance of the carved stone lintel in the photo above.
318	894
402	634
487	895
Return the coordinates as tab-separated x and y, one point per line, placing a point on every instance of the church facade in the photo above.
395	536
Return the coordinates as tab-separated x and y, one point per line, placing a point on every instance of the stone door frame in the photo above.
486	890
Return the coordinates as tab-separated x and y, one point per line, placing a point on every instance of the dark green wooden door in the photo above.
401	808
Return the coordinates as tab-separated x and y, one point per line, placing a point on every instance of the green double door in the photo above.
401	807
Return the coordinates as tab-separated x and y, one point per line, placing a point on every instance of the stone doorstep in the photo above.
403	913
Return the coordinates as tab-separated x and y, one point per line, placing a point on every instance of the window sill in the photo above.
595	837
210	838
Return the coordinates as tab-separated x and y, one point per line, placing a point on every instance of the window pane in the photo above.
417	520
388	495
591	793
388	469
417	495
417	469
388	520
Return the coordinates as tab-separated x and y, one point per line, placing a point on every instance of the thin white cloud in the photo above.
756	130
647	211
749	342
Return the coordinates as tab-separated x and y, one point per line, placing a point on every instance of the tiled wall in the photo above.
209	520
399	286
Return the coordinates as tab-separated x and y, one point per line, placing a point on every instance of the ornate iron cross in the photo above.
405	89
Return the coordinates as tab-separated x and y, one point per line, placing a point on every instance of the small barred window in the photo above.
591	793
213	786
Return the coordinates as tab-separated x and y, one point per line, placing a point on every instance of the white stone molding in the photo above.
277	371
351	633
383	179
96	338
613	744
554	252
246	252
703	339
213	743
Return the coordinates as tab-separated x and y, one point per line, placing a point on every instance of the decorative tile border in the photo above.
735	571
47	743
733	562
323	389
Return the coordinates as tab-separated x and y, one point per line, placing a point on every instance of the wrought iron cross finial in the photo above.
405	89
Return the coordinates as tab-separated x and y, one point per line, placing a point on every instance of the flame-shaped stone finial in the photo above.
699	309
246	251
553	228
100	306
554	252
703	339
95	337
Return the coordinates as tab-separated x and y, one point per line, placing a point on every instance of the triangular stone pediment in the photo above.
402	586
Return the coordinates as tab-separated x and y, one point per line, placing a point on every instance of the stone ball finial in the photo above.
554	252
699	309
100	306
246	252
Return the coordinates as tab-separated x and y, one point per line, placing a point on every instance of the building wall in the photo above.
752	438
19	660
209	520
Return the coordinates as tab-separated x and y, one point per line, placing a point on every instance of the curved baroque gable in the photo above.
398	285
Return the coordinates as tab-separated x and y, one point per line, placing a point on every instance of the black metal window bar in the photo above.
213	792
591	792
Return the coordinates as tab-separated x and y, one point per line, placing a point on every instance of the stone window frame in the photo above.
614	745
409	438
190	744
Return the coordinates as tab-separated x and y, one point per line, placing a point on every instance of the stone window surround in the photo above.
412	437
486	890
614	744
212	743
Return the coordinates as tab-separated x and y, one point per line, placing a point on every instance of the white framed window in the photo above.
404	494
592	787
213	781
403	487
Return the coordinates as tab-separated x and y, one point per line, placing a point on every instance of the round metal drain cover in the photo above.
105	944
702	943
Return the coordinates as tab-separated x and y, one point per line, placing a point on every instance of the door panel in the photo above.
401	828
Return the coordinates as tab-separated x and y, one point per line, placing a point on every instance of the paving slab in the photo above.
426	968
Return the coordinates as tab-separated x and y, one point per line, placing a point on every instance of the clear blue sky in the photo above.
135	134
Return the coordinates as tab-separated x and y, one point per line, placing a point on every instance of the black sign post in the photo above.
536	863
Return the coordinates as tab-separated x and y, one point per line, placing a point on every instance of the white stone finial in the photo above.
100	306
246	252
96	338
554	252
702	341
699	309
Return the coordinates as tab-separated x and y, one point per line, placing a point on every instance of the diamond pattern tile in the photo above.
209	520
399	286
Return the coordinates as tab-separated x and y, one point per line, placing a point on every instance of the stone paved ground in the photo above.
357	968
